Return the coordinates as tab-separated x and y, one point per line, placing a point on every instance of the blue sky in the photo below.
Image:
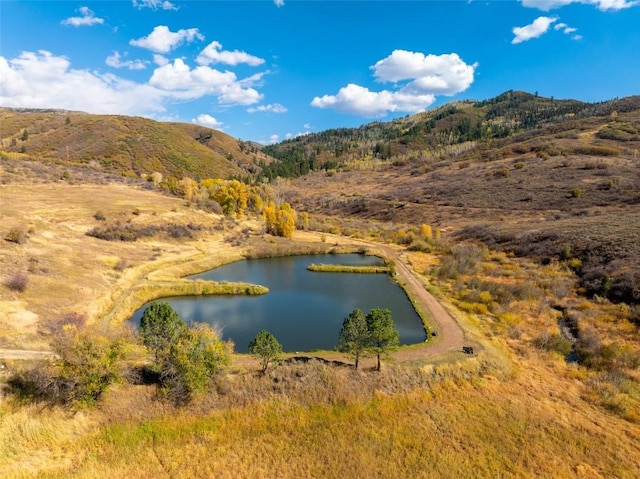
270	70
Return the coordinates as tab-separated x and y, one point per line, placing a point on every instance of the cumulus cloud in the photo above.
435	74
273	139
213	53
539	27
43	80
271	108
417	79
279	3
86	19
163	40
603	5
154	4
116	61
185	83
208	121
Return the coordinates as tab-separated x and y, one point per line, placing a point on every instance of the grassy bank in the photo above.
342	268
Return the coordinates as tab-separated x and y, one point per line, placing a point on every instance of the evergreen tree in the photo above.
354	336
266	348
383	335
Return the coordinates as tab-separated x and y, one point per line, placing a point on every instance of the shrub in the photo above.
16	235
554	343
88	363
17	282
595	150
99	216
185	359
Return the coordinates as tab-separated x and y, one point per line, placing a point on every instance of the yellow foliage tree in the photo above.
286	220
269	215
426	233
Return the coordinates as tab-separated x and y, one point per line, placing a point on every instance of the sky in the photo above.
271	70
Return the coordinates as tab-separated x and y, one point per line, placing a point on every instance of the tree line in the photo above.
182	360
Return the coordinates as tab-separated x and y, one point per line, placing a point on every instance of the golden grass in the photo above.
341	268
521	413
469	424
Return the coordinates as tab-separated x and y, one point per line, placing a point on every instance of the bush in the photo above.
186	360
88	363
99	216
554	343
17	282
130	232
16	235
595	150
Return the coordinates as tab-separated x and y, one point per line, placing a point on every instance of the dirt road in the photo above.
25	354
450	336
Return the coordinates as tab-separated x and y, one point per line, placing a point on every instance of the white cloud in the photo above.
273	139
358	100
208	121
306	126
116	61
566	29
539	27
288	136
603	5
436	74
154	4
43	80
279	3
576	38
184	83
423	77
87	19
213	53
163	40
271	108
160	60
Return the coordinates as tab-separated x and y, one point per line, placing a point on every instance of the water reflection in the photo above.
304	310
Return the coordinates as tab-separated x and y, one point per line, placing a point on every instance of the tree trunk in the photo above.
378	362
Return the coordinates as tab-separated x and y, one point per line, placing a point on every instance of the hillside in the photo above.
126	145
570	189
437	131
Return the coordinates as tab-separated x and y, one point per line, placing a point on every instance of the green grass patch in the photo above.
343	268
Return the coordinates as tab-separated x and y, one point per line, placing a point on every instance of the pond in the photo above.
304	310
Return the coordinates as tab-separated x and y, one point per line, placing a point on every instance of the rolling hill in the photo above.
125	145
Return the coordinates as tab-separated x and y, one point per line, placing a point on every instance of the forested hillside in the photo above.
436	131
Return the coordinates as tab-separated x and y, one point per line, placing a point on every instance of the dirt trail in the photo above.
25	354
450	336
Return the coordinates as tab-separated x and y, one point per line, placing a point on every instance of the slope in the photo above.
126	145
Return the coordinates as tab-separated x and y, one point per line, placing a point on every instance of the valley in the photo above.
513	224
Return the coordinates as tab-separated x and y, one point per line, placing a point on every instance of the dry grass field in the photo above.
512	410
